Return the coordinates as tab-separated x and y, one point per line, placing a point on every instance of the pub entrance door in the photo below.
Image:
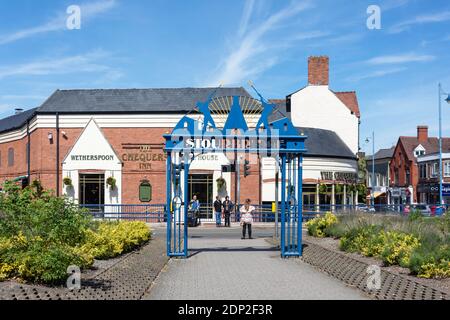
201	185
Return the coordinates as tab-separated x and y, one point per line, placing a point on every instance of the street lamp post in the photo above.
441	93
372	184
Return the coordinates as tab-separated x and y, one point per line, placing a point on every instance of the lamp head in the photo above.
448	99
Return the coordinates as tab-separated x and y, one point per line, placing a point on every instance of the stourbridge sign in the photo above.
192	138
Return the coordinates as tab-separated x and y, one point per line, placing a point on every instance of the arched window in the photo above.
145	191
10	157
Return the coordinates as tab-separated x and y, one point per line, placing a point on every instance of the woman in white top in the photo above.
247	218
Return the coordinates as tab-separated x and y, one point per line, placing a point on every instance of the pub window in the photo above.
10	157
423	171
145	191
0	158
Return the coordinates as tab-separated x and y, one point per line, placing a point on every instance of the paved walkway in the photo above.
222	266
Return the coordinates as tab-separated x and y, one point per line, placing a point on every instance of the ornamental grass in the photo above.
421	244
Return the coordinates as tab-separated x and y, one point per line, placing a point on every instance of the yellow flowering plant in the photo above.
317	226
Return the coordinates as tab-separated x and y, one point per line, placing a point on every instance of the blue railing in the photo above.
263	213
142	212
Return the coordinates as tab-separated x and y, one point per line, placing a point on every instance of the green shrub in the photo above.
52	219
42	235
316	227
398	247
48	264
113	238
431	261
365	239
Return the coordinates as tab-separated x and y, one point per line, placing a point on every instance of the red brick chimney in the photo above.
318	71
422	134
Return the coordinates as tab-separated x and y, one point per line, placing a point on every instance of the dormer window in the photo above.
419	151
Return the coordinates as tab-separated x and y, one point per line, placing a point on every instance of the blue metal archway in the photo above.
278	139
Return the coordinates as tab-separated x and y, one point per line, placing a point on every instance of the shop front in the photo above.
401	195
92	171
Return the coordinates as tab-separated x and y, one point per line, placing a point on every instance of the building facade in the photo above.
404	169
380	176
105	147
428	186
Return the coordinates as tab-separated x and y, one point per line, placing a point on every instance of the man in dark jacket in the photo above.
228	208
218	211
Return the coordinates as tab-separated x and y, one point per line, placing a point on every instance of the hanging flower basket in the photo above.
111	181
323	188
67	181
221	183
338	188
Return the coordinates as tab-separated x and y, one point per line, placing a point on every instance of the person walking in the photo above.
247	218
228	208
194	209
218	211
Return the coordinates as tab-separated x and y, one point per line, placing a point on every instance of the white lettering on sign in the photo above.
202	143
92	157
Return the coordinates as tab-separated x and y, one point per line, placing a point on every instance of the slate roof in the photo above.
131	100
320	142
325	143
16	121
382	154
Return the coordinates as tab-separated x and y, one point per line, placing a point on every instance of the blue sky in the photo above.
160	43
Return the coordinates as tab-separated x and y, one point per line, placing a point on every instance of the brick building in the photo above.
404	169
79	140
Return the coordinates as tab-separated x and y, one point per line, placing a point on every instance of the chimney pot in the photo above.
422	134
318	71
18	110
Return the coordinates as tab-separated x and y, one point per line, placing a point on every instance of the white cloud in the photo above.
400	58
375	74
310	35
88	10
248	10
89	62
248	59
422	19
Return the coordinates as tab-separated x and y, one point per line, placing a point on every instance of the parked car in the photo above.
424	209
365	208
437	210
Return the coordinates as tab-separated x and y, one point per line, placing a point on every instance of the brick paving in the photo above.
222	266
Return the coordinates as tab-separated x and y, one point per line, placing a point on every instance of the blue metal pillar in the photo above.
299	204
283	205
186	200
168	200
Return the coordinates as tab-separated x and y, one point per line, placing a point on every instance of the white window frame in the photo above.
446	169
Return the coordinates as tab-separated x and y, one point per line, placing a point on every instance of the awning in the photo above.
19	178
376	194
